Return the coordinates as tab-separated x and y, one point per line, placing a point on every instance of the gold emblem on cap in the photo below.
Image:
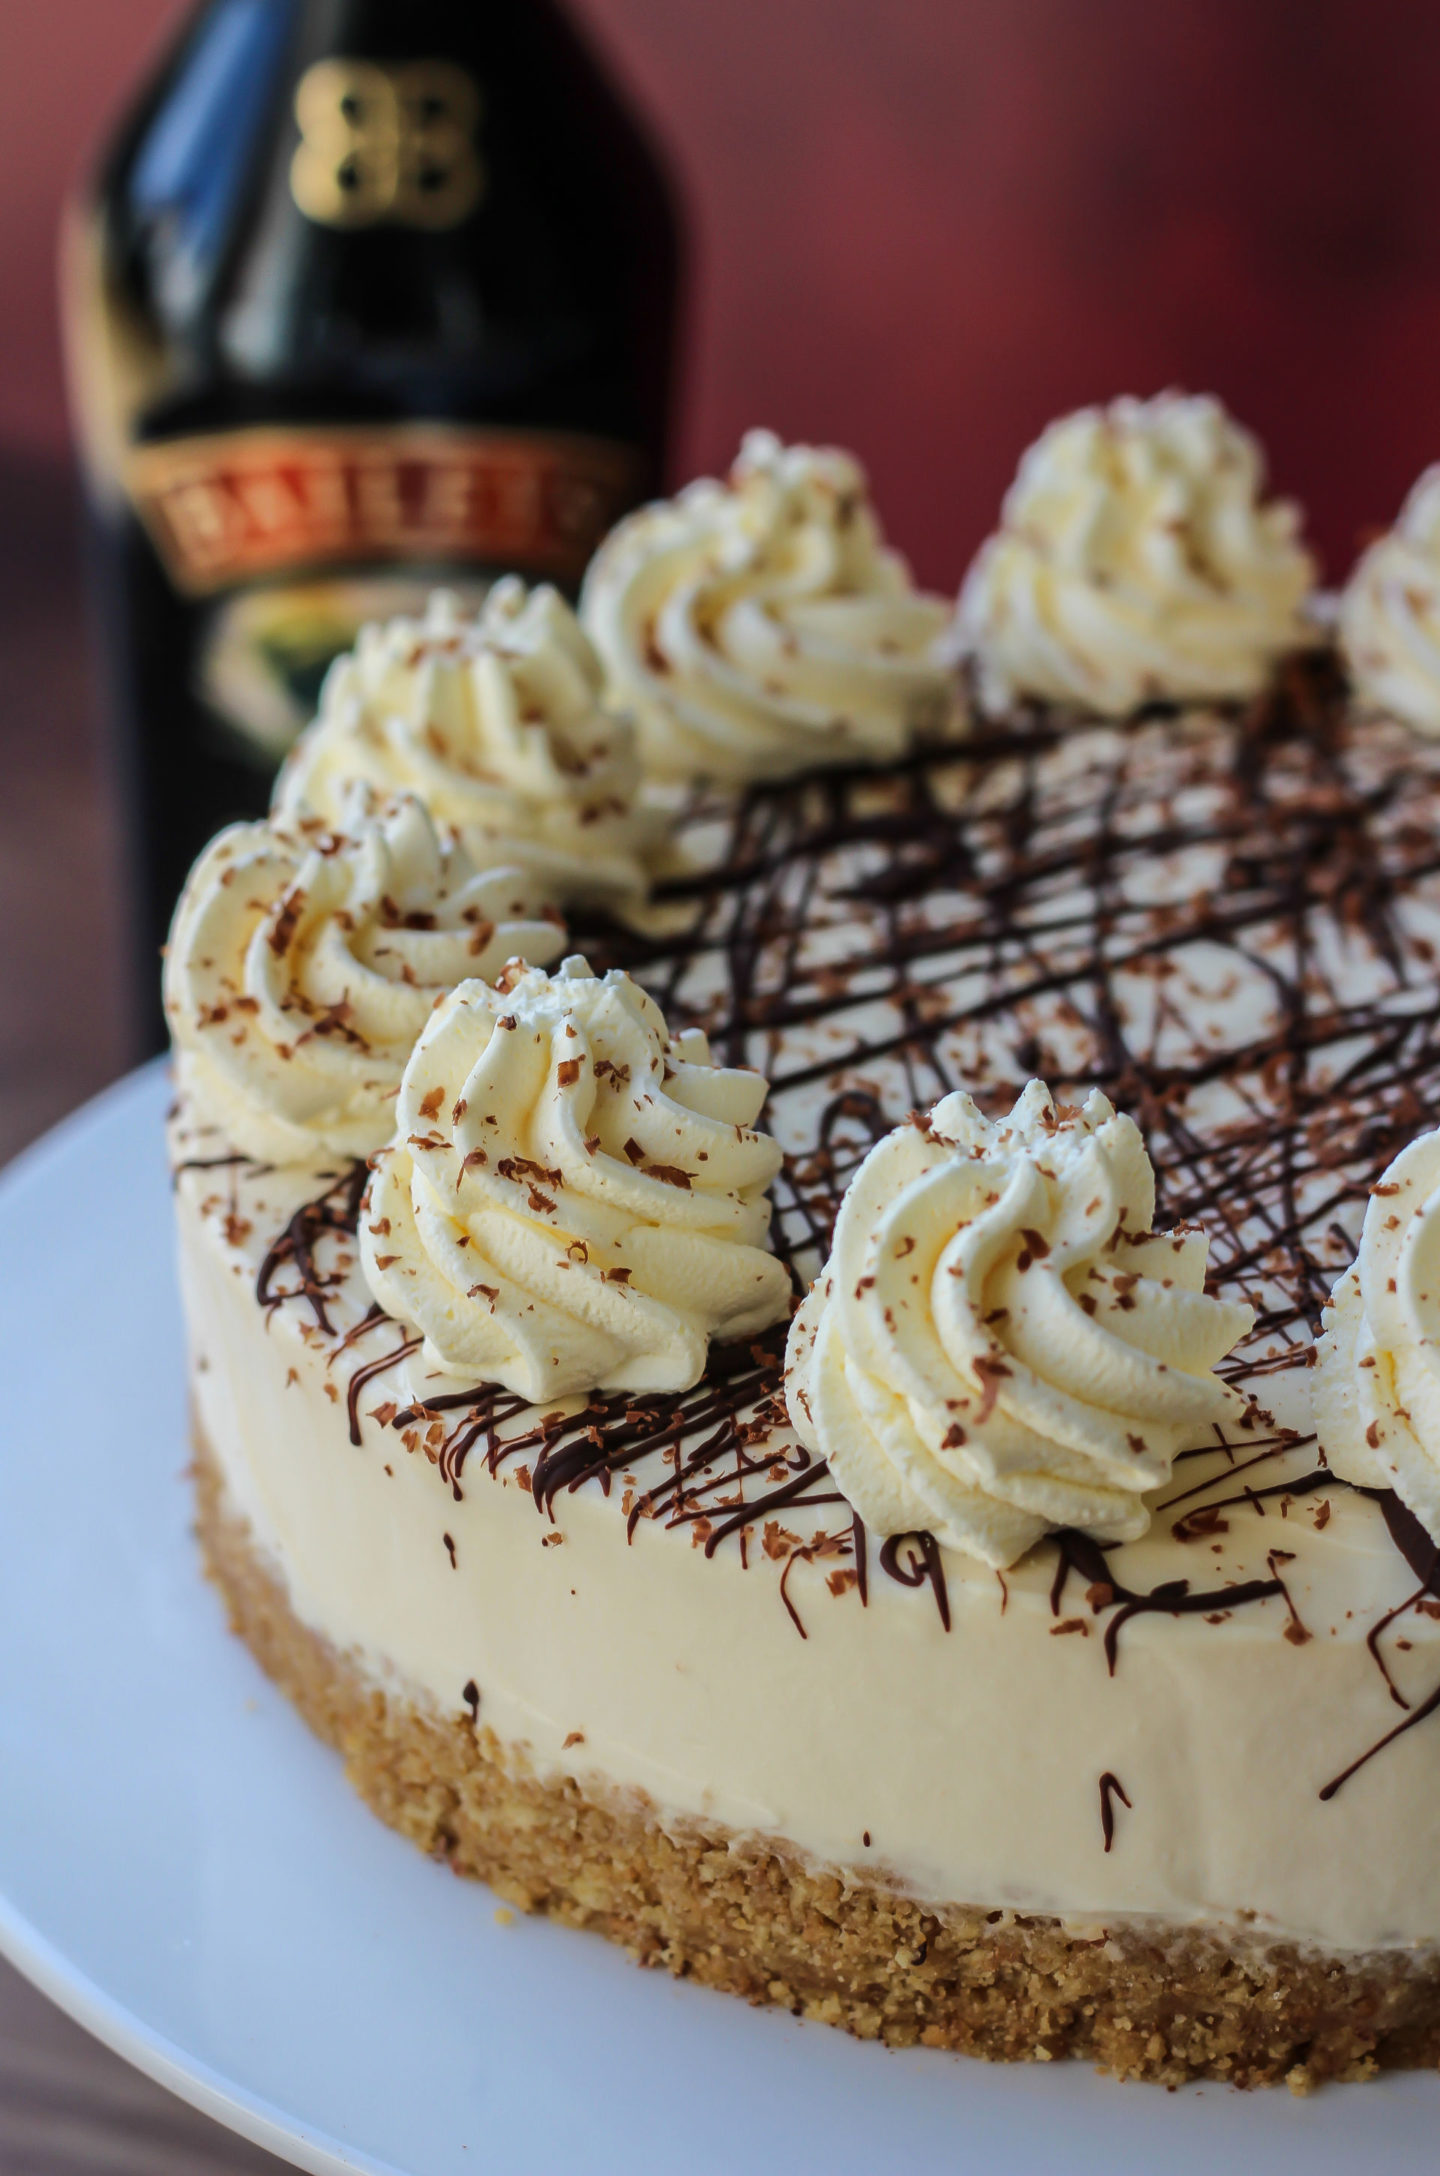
394	144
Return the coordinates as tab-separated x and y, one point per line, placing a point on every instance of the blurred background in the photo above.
924	227
919	228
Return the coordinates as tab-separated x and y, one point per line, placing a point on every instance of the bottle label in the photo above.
235	506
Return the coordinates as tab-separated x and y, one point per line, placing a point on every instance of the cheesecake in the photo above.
794	1438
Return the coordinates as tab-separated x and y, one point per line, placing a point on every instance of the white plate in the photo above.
184	1869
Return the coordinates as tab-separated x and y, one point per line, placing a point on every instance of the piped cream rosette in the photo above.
303	963
760	626
1390	614
495	721
1377	1379
573	1201
999	1344
1136	560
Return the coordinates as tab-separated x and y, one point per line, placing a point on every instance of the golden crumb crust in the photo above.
752	1917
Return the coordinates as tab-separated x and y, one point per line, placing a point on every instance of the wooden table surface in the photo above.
68	2107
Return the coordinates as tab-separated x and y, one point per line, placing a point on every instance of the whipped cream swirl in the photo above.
1377	1379
999	1344
1390	614
495	721
574	1201
759	626
303	963
1136	562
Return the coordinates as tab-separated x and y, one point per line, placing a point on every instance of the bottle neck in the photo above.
352	212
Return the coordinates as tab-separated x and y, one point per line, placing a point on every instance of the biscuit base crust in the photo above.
753	1917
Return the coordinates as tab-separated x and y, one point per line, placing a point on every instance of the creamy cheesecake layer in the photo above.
1231	926
970	1757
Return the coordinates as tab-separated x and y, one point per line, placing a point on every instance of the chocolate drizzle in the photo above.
1171	1598
990	911
336	1211
1423	1557
861	1554
214	1163
1111	1788
1416	1715
367	1374
1410	1538
911	1559
1054	899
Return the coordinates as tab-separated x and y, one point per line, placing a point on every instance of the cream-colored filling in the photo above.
971	1759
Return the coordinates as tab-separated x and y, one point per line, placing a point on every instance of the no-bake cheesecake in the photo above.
986	1652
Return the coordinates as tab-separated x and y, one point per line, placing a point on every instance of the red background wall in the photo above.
925	226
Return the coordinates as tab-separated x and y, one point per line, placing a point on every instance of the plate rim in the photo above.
268	2124
42	1962
117	2027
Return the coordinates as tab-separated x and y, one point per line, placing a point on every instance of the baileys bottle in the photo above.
366	297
